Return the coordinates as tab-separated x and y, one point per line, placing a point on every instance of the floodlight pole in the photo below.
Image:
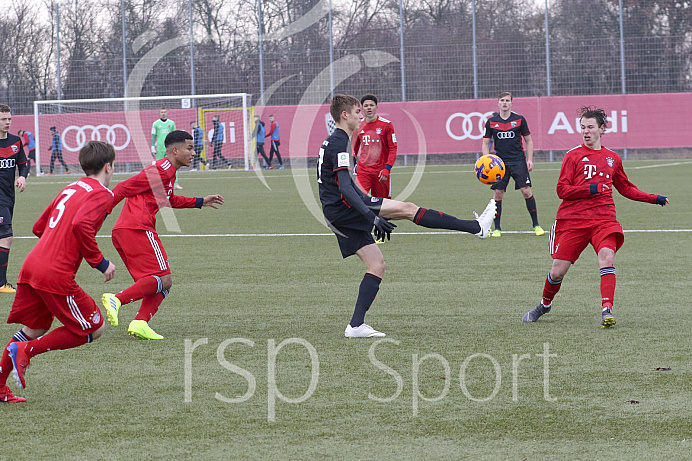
475	63
122	13
260	26
57	40
622	61
192	55
331	51
401	41
547	60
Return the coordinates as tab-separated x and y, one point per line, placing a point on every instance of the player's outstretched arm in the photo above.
212	201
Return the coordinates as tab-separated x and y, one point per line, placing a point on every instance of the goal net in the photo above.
63	127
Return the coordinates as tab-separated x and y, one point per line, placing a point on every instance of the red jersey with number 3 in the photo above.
67	234
375	145
146	192
583	173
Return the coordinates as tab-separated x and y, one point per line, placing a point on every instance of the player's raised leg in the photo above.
147	262
433	219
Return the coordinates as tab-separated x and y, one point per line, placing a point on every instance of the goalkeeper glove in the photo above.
383	228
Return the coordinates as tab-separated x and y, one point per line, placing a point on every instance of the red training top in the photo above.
146	192
583	174
376	144
67	234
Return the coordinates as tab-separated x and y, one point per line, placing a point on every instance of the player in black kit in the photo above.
508	129
11	157
351	215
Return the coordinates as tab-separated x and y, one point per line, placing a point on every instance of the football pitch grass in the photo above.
254	364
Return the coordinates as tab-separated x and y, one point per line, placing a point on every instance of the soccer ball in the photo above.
490	169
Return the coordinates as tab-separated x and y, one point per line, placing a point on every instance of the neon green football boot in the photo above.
142	330
112	306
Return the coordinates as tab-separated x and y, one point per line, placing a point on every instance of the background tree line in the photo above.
584	41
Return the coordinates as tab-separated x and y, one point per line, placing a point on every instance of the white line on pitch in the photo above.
633	231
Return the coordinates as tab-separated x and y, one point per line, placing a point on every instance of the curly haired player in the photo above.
587	213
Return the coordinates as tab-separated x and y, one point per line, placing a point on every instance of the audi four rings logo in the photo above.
505	135
7	163
118	135
467	125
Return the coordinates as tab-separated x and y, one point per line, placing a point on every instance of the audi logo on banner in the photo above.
472	125
118	135
504	135
7	163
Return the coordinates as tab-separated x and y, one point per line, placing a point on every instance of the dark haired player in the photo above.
375	148
134	233
12	158
587	213
508	129
47	288
351	215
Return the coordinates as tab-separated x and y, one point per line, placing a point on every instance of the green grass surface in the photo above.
446	294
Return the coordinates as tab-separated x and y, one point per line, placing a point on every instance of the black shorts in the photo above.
6	221
517	170
352	230
32	154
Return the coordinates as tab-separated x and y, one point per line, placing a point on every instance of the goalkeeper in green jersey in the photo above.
159	131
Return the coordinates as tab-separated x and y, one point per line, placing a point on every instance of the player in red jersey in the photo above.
47	288
135	237
587	213
375	148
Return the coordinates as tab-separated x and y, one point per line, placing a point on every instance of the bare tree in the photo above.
25	73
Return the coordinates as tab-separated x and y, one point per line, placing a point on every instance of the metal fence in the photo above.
466	56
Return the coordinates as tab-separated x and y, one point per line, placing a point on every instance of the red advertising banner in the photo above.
423	127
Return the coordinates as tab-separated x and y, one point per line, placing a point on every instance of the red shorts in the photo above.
37	308
371	183
569	237
142	252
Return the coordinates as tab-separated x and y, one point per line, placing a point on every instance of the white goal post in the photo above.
126	123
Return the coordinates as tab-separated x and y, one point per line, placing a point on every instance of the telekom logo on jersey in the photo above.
589	171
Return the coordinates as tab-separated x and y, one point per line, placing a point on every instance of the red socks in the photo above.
150	305
143	287
608	281
550	289
5	364
58	339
